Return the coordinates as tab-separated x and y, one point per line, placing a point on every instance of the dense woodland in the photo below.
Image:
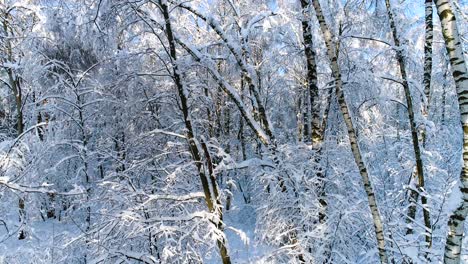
233	131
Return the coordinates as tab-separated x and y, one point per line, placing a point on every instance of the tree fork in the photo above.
190	132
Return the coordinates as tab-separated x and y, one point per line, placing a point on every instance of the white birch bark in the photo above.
459	71
429	37
379	232
312	82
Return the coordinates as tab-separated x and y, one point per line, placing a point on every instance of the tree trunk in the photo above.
196	155
379	232
316	135
305	116
460	74
429	37
14	83
428	51
299	115
266	137
414	136
311	73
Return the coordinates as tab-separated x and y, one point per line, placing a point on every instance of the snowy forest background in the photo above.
233	131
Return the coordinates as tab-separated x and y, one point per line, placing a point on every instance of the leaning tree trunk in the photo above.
332	54
414	135
212	202
460	74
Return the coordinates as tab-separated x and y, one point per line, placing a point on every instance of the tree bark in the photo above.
312	81
414	135
428	51
429	38
196	155
14	84
379	231
460	74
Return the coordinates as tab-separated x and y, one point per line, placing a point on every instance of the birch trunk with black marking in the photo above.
414	136
454	48
196	153
331	52
312	80
311	73
429	39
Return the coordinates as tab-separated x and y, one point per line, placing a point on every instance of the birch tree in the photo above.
167	132
311	72
454	48
414	135
334	65
212	199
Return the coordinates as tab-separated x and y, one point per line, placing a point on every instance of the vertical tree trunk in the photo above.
14	83
428	51
241	134
414	135
87	178
196	155
429	38
311	73
218	208
305	116
331	51
444	93
316	136
227	131
459	71
326	112
20	129
299	115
